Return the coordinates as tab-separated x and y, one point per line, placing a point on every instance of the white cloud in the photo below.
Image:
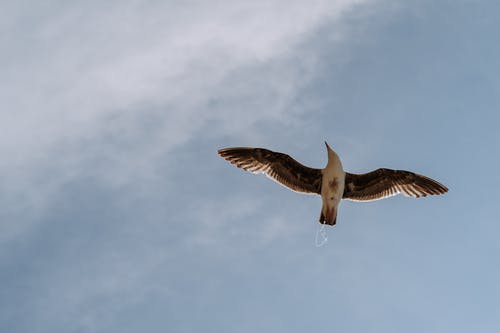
105	90
82	81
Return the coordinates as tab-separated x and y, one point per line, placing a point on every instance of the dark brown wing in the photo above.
277	166
383	183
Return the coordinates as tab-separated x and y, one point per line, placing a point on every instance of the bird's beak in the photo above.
327	146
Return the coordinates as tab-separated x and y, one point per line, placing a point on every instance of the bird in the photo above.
331	182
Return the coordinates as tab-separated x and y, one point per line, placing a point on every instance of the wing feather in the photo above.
278	166
384	183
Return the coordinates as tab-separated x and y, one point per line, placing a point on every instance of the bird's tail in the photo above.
330	218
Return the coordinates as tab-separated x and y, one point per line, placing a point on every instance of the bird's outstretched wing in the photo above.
383	183
277	166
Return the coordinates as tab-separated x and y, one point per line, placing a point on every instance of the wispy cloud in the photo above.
106	92
99	94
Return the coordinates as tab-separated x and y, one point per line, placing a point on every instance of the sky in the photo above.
117	214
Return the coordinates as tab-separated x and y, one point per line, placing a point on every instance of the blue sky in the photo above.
117	215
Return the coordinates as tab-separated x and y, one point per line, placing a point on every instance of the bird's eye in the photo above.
331	198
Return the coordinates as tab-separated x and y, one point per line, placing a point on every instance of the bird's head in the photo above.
329	150
332	156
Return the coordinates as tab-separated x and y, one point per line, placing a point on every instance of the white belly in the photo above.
332	187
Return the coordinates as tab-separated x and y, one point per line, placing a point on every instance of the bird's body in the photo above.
332	188
331	182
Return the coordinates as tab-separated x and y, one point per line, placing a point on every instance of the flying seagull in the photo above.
331	182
